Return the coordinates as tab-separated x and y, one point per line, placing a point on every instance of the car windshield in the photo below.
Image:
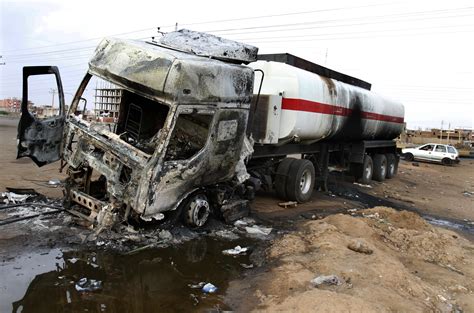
451	150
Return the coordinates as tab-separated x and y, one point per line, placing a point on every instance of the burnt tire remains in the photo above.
281	177
300	182
380	167
197	210
392	165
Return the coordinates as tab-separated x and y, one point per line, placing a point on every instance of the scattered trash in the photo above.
246	221
327	280
443	299
360	246
209	288
226	234
194	298
288	204
415	164
100	243
246	266
197	286
468	193
165	235
258	230
11	197
363	185
54	182
73	260
85	284
235	251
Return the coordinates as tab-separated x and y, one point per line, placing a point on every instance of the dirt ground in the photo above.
405	265
413	267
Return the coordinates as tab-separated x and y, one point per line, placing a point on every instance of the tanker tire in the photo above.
281	177
300	182
196	210
392	165
367	171
380	167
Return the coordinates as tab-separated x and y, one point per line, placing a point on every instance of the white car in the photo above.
434	152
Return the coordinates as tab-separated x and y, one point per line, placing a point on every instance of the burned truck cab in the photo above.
179	132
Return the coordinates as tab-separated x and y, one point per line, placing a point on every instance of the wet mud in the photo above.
153	280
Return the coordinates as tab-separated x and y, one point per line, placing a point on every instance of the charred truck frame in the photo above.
193	139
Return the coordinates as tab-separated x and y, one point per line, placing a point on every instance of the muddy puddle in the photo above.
154	280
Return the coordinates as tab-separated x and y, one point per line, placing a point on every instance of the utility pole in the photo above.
441	133
53	92
449	129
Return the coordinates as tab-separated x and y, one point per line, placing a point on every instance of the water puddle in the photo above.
153	280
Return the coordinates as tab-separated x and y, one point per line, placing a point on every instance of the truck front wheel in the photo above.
300	183
196	210
281	177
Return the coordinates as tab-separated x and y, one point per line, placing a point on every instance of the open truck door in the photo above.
41	138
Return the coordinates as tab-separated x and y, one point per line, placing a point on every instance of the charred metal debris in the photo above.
174	152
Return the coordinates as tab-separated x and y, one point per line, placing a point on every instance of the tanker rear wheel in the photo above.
392	165
366	171
281	177
380	167
300	183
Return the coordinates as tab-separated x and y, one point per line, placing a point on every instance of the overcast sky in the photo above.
420	53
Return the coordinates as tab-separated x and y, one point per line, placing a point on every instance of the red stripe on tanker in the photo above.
323	108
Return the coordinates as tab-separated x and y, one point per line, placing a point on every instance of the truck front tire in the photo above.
300	182
281	177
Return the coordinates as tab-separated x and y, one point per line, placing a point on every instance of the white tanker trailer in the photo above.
203	123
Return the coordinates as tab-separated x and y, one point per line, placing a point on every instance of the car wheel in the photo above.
446	161
196	210
392	165
409	156
300	183
281	177
380	167
367	170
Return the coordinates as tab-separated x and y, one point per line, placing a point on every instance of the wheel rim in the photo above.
305	181
198	211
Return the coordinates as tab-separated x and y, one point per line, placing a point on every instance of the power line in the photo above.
209	22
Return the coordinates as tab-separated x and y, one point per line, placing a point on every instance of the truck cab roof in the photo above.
169	75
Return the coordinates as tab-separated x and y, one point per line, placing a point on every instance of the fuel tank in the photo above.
299	105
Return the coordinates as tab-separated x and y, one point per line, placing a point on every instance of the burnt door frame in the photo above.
41	139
